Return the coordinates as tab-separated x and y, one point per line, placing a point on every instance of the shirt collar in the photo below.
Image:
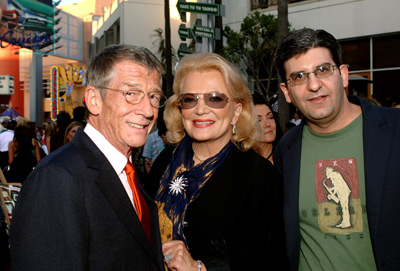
116	158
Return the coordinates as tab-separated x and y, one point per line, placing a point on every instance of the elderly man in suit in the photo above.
82	207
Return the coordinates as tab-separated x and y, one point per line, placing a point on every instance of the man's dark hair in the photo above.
259	99
79	113
11	124
299	42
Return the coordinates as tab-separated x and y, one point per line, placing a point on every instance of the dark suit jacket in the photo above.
73	213
381	137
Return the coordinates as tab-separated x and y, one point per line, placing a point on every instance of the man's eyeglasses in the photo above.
320	72
157	99
212	99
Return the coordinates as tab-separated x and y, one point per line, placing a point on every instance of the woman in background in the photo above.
219	202
50	130
270	131
21	158
39	154
71	130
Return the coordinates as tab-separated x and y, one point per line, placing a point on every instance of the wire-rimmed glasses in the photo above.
157	99
320	72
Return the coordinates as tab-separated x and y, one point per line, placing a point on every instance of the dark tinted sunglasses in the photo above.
212	99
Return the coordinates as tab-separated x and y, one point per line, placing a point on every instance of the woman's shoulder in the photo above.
35	142
246	173
248	165
250	159
11	143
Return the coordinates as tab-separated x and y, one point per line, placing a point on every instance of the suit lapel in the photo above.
155	229
376	140
291	169
113	190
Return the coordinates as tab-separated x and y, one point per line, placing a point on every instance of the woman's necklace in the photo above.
195	156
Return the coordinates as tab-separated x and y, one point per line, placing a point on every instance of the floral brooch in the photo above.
178	185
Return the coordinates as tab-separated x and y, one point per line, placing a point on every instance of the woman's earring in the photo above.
234	129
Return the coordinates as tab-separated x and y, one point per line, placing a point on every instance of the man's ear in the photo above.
285	92
344	73
93	100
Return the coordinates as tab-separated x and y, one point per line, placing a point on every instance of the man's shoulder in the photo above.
376	112
291	140
382	115
292	134
66	154
73	152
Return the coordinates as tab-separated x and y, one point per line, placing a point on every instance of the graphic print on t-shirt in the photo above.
338	199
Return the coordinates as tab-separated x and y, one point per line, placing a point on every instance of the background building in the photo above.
368	30
133	22
36	35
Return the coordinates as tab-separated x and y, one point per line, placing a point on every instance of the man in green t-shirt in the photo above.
340	165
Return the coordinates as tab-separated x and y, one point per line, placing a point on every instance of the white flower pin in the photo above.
177	186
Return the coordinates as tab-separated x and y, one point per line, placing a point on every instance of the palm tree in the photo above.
283	30
167	59
168	49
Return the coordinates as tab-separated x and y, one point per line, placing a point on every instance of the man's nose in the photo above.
145	107
313	82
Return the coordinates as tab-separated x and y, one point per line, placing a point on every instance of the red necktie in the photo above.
140	204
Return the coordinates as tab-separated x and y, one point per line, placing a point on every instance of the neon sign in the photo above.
32	42
54	92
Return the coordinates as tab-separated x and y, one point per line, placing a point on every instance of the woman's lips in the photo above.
203	123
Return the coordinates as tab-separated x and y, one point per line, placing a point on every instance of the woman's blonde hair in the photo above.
247	133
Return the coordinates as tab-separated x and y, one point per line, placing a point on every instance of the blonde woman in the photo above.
219	201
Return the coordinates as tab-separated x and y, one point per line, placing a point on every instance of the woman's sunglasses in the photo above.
212	99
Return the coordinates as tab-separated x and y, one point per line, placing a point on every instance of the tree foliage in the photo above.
161	48
253	48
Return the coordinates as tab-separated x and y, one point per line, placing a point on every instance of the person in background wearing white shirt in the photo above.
6	136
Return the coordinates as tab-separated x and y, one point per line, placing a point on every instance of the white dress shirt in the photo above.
117	159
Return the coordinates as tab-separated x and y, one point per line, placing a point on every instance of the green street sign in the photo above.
182	53
183	50
199	32
203	8
209	9
184	33
204	32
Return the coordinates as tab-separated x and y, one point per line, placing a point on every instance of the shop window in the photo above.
360	84
386	52
384	89
46	87
356	53
256	4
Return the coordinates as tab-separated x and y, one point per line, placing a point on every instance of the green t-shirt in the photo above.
332	208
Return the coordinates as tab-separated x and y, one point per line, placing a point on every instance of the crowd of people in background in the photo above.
23	144
211	181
